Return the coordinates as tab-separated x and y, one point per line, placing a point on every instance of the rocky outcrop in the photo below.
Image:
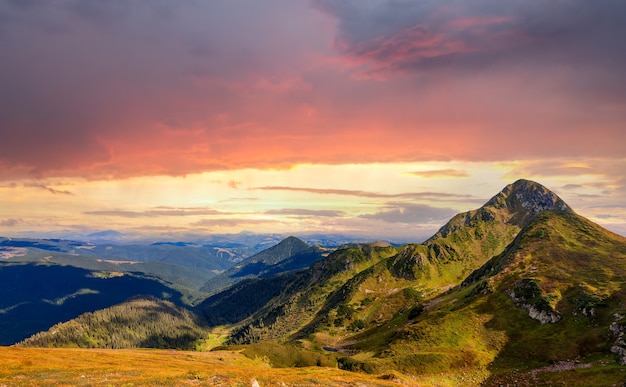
617	329
528	296
524	199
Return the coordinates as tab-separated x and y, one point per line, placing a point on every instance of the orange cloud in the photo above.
440	173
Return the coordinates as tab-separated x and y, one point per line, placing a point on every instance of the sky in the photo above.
379	118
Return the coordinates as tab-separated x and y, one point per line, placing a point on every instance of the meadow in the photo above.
148	367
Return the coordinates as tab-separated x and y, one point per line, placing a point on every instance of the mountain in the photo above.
359	291
106	236
554	296
472	237
280	303
288	255
522	276
142	322
521	291
183	265
44	282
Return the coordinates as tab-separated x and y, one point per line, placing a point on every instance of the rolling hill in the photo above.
141	322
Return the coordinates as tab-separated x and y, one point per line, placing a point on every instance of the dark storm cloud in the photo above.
399	36
115	89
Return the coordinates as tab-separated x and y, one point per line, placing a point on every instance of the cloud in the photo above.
53	191
159	211
572	186
305	212
108	90
412	213
366	194
232	222
439	173
10	222
388	37
234	184
607	173
555	168
89	87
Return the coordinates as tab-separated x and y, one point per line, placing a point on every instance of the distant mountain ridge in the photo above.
290	254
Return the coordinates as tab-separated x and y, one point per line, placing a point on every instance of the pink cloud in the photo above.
109	94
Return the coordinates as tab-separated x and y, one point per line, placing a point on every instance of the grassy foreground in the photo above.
102	367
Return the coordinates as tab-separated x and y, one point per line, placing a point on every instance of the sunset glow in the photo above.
381	119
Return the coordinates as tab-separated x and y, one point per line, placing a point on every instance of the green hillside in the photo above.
274	296
555	295
137	323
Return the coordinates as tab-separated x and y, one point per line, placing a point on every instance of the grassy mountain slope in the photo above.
274	306
532	272
397	281
470	238
137	323
556	294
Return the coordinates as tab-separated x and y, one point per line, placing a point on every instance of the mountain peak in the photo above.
516	204
293	241
284	249
528	198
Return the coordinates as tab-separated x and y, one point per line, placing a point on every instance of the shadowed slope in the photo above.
35	297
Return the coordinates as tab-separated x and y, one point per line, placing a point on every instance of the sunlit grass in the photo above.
80	367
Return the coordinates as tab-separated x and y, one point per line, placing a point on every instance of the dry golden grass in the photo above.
100	367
